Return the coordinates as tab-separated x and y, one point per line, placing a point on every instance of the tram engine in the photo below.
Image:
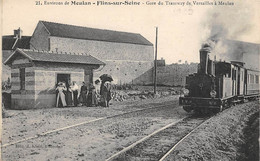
218	85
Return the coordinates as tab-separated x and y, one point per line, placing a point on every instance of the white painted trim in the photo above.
20	51
58	71
136	61
15	43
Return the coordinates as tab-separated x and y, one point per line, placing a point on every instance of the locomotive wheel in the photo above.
204	111
215	110
201	111
197	111
187	108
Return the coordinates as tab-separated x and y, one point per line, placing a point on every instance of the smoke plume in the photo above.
228	23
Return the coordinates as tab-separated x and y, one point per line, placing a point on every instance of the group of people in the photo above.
92	95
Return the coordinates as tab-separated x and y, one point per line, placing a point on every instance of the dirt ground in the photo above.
20	124
230	135
95	141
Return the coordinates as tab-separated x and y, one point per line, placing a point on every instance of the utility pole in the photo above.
155	62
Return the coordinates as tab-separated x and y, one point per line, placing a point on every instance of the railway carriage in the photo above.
218	85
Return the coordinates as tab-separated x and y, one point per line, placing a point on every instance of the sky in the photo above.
181	29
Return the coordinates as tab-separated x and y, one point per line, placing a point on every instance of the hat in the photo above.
97	81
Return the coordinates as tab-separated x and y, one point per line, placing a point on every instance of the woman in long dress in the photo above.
105	92
69	96
75	90
83	93
91	98
61	96
97	92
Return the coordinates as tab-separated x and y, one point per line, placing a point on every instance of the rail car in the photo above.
218	85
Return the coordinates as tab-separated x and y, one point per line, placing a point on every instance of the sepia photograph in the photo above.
130	80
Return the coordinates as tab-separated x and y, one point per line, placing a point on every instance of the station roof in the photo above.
46	56
79	32
9	42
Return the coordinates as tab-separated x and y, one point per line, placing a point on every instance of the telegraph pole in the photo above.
155	62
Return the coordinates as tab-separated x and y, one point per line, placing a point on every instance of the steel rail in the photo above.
82	123
144	138
183	138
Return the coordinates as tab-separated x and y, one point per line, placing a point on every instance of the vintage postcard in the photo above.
130	80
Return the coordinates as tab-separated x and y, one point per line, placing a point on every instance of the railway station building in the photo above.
126	55
34	75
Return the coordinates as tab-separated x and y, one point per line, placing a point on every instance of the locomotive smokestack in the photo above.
204	57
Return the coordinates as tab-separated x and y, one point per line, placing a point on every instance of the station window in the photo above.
22	78
256	79
251	79
234	74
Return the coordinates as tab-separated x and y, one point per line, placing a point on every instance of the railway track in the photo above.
82	123
161	143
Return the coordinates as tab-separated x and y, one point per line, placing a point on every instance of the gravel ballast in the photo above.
222	137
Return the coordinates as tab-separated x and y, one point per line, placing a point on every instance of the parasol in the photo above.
106	77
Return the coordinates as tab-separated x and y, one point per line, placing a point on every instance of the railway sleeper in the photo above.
203	110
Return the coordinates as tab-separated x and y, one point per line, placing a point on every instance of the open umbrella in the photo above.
106	77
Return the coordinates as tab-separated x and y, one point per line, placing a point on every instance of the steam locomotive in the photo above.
218	85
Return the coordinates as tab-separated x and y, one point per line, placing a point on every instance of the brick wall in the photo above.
40	82
22	99
46	80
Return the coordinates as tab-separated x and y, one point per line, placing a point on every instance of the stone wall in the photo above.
103	50
171	75
124	61
124	71
40	38
124	56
